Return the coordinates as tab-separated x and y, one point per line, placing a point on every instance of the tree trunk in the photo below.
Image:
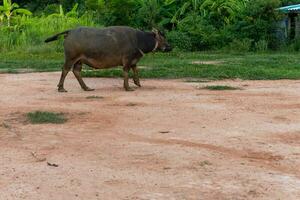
8	21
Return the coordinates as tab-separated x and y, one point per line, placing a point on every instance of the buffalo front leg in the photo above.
76	70
65	71
136	78
126	78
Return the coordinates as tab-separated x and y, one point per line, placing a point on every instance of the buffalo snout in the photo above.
167	48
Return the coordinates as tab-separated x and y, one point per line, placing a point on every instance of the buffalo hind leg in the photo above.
76	70
65	71
126	78
136	78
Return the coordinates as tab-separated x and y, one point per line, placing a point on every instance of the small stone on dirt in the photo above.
205	162
164	132
37	158
52	164
131	104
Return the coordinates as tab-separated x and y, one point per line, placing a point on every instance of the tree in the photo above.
72	13
156	13
258	22
8	9
94	4
38	6
119	12
222	12
190	7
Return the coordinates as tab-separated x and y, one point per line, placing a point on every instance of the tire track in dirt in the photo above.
266	160
290	138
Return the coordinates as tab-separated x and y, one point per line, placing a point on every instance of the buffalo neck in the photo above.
146	41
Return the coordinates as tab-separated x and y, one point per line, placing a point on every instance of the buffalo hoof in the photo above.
137	84
129	89
88	89
62	90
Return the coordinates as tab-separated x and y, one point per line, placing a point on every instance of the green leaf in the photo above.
22	11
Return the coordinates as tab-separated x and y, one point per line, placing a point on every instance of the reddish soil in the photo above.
166	140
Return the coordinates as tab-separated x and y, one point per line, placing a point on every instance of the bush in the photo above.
295	45
180	40
114	14
261	46
203	35
148	14
51	8
196	25
243	45
258	22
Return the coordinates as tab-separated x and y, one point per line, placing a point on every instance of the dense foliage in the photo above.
240	25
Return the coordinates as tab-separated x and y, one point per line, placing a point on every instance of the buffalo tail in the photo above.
55	37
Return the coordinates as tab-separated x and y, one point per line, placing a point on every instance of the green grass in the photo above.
39	117
220	87
28	32
248	66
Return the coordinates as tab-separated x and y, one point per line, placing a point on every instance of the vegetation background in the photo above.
231	26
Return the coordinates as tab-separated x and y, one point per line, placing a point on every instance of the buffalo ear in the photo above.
154	30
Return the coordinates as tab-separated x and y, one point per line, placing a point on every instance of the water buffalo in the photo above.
106	48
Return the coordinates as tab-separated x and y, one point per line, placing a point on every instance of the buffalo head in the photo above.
162	43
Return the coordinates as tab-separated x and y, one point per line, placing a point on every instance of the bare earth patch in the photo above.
166	140
212	62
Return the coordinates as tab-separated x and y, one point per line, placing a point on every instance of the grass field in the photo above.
202	65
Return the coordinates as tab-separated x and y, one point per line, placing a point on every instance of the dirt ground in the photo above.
166	140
